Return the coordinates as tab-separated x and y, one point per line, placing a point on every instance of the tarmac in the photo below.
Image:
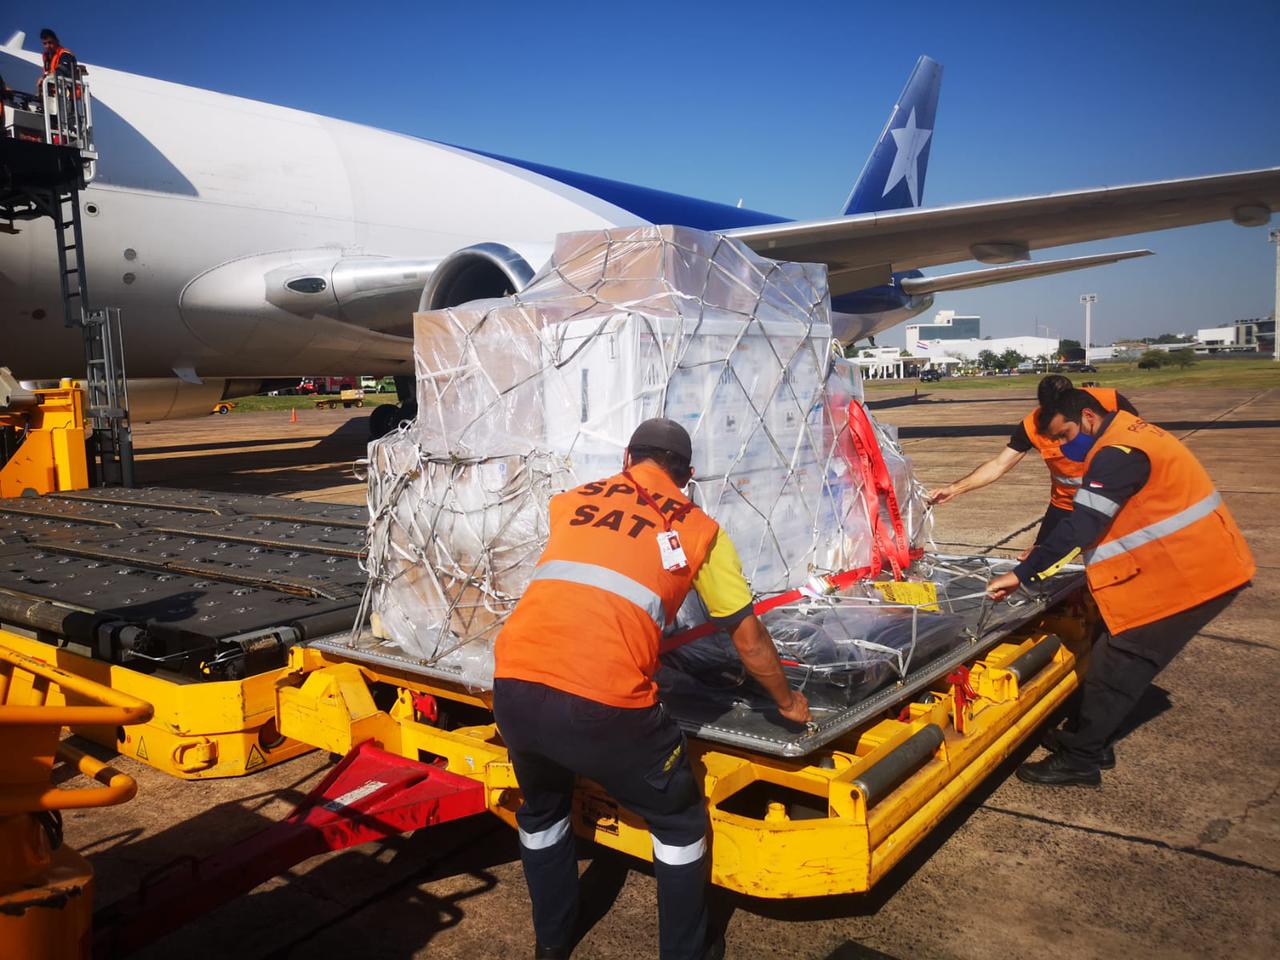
1176	855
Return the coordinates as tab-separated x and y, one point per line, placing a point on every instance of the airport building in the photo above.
1243	336
946	325
970	348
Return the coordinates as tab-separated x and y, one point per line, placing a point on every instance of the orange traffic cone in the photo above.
293	414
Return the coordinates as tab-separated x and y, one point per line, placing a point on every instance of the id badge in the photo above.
673	557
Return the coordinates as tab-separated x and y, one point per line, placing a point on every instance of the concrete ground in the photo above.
1177	855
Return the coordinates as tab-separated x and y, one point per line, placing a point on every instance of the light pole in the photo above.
1275	238
1088	299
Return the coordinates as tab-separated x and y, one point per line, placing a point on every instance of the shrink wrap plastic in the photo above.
837	653
522	397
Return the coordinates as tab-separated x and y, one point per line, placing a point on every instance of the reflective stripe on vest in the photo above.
1155	531
1065	480
1093	501
602	578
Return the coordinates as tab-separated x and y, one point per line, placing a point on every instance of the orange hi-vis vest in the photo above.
1064	473
52	61
1173	545
593	615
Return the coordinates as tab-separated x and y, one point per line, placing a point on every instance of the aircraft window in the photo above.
307	285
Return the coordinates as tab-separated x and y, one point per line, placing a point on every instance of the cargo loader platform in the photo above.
811	811
186	599
805	811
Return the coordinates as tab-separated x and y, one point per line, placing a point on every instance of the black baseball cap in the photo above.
663	434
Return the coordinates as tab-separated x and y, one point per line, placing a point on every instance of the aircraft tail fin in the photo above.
893	177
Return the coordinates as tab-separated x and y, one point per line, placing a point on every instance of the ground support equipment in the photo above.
42	433
43	167
419	752
369	795
833	822
46	888
185	599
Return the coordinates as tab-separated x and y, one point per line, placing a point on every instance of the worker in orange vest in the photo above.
1065	462
574	691
57	58
1163	556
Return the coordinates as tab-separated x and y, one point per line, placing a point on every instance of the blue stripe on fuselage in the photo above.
655	206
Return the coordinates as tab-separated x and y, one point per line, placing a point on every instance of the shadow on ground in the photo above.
307	466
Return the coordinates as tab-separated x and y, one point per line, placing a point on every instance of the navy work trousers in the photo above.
639	756
1120	669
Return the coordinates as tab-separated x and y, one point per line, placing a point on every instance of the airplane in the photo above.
246	242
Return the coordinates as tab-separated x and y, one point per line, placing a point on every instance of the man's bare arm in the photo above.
760	657
989	472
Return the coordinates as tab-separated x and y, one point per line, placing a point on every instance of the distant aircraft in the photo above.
246	242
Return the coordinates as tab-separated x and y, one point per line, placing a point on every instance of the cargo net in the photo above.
523	397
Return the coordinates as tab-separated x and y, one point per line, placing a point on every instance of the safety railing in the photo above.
37	700
68	117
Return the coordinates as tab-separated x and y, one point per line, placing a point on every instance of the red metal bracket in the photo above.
369	795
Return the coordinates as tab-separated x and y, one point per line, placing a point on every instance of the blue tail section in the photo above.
894	175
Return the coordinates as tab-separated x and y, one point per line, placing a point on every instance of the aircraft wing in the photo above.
860	248
1012	271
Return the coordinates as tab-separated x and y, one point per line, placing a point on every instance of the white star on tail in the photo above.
909	141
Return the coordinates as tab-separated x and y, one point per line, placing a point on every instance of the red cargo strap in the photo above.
877	482
863	454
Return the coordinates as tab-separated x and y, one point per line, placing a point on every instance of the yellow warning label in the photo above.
256	759
922	594
142	749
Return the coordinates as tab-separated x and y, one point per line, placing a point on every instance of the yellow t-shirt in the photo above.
720	582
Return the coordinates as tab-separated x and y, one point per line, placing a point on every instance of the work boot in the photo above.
1058	770
550	953
1050	742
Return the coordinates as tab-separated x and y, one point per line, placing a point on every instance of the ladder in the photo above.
110	441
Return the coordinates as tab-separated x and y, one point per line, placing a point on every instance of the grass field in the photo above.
250	404
1124	376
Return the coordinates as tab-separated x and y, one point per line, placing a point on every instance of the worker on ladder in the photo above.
574	693
1064	461
57	58
1163	556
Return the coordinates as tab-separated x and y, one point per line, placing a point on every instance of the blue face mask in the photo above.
1078	448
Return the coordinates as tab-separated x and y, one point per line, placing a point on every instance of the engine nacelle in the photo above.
478	272
168	398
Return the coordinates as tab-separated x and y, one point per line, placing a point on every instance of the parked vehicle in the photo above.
930	376
348	398
378	384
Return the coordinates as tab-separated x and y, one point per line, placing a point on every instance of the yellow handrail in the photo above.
116	708
116	787
30	730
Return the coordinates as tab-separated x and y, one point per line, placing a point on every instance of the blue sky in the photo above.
780	103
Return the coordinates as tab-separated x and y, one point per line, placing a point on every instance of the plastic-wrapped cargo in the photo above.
522	397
